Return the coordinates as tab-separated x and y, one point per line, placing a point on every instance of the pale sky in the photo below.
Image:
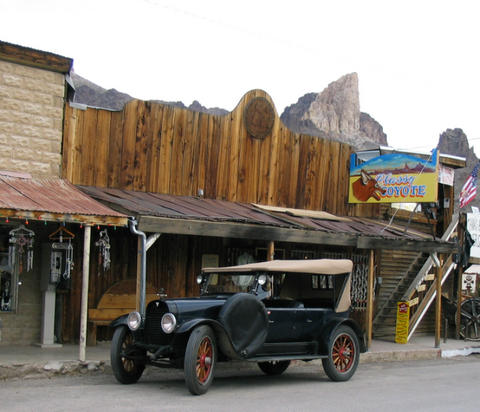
418	62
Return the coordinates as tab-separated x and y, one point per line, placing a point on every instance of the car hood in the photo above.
194	308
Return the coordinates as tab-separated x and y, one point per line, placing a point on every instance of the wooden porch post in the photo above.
438	303
84	303
271	250
462	223
458	315
370	299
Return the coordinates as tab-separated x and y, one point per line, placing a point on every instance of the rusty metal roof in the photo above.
52	199
188	215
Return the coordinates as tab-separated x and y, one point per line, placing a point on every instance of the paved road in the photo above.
441	385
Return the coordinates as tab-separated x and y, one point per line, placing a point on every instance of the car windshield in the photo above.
229	283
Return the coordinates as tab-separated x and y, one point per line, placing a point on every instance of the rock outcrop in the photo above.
455	142
372	130
335	113
91	94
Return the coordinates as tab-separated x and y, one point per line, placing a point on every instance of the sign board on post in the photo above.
403	320
394	178
473	227
469	281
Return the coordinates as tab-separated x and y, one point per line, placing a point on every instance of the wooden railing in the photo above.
425	297
422	290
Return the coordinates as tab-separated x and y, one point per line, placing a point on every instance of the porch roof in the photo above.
51	199
190	215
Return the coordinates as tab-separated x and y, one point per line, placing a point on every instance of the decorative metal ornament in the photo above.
21	245
62	243
103	243
259	116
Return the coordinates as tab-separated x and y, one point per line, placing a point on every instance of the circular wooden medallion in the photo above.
259	117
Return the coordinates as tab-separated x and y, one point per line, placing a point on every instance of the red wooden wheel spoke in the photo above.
343	353
204	360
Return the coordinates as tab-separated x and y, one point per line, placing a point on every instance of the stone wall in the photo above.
31	118
22	325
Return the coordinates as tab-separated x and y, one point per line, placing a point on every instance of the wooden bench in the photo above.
118	300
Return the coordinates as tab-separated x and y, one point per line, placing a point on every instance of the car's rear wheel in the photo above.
200	360
125	358
274	367
343	354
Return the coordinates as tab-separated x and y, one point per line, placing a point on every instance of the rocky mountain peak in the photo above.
335	113
455	142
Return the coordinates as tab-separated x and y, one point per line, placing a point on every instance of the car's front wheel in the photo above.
127	361
200	359
343	354
274	367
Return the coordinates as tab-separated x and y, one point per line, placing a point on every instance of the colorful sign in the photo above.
403	321
394	178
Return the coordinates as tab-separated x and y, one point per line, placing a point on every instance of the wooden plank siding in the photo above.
164	149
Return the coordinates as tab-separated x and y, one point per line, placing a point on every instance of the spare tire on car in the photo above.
245	319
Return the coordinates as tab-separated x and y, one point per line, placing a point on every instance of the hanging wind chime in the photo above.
20	245
62	249
103	243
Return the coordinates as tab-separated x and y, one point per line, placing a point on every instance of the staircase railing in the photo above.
427	300
429	263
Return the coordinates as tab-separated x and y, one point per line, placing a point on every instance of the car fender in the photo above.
189	325
334	324
223	338
121	320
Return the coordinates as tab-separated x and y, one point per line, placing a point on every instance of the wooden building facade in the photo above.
164	149
246	156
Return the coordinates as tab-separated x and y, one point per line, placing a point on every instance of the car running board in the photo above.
284	358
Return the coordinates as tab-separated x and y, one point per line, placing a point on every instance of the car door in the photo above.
313	320
284	324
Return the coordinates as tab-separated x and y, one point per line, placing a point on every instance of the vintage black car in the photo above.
268	312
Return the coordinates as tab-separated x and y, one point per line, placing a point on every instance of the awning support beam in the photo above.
84	303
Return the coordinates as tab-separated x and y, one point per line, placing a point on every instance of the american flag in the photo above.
469	189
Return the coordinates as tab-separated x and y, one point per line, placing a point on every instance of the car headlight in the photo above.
134	320
168	322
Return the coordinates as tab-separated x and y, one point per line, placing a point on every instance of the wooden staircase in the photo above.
407	276
398	271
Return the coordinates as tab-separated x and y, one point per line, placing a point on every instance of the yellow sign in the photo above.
394	178
403	320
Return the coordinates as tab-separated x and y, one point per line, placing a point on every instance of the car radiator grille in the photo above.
153	329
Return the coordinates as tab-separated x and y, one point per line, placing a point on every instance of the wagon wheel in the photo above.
470	321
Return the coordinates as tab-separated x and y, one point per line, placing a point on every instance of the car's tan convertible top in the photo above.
312	266
306	266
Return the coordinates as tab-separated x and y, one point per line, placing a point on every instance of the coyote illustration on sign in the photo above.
366	187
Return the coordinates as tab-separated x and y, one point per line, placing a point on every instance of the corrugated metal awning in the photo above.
210	217
52	199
